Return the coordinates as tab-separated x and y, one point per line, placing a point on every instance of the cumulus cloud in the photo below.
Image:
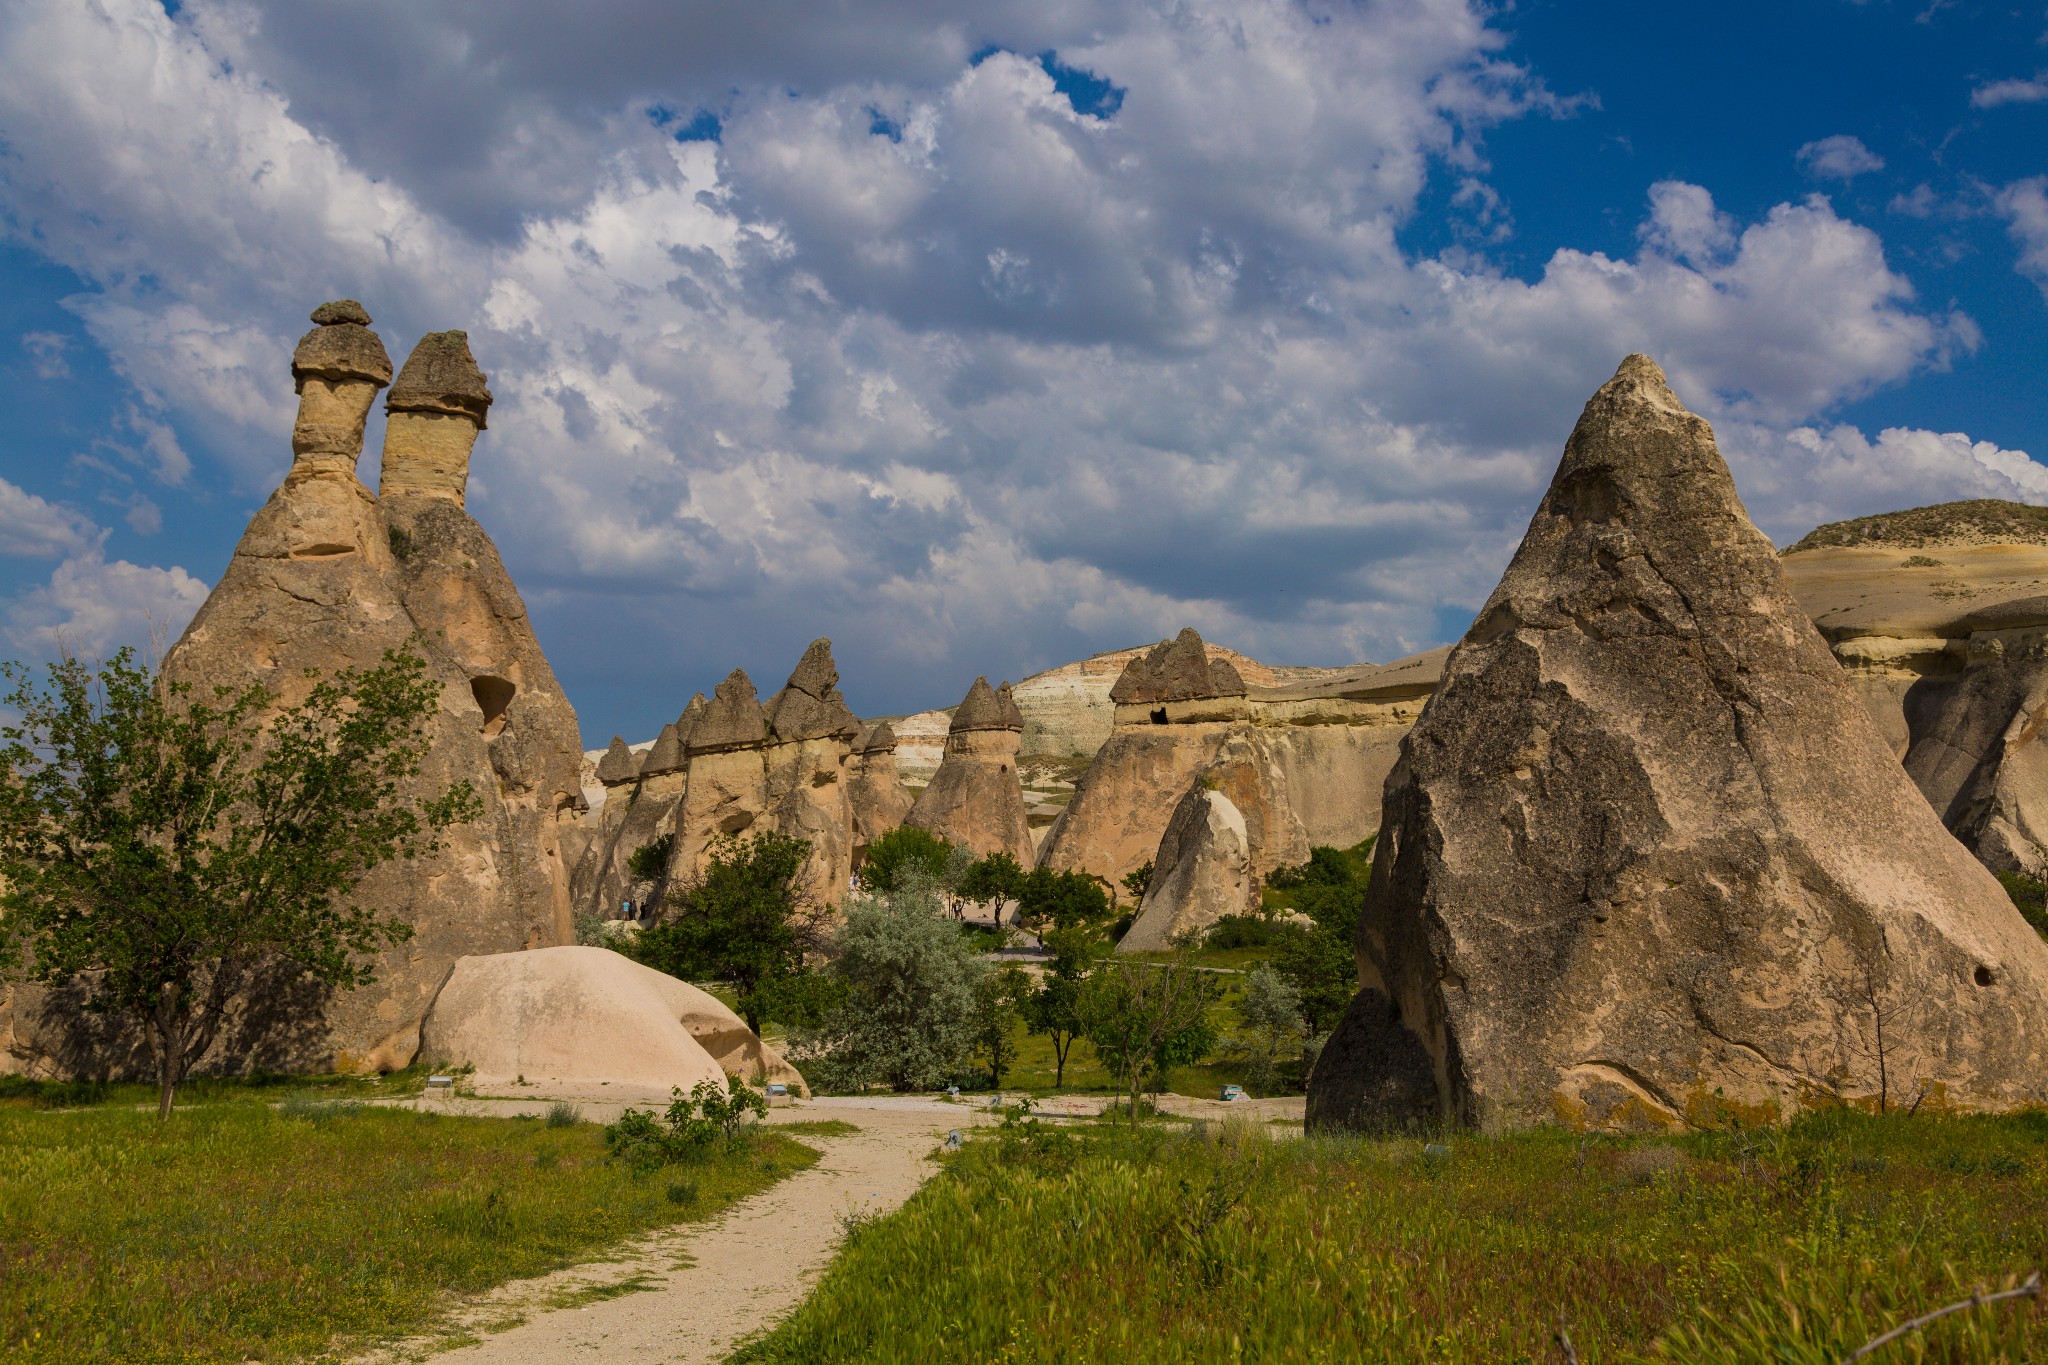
2025	207
1840	157
2017	90
922	352
46	354
33	527
91	606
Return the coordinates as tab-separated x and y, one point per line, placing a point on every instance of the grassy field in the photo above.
243	1231
1792	1245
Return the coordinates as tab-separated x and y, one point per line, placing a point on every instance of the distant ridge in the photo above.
1977	521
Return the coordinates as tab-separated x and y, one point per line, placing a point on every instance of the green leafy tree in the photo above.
648	862
1048	900
991	880
907	1019
1144	1017
1321	963
1138	881
903	847
997	1000
1054	1008
161	849
745	919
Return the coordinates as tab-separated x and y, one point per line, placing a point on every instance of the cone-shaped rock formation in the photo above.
1645	855
880	800
976	799
327	577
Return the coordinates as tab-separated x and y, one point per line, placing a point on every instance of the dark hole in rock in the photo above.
1985	976
1159	716
493	695
323	551
734	823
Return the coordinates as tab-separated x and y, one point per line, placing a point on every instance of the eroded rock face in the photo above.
1645	854
327	577
976	800
1937	616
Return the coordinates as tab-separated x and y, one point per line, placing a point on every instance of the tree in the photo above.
992	880
904	846
1270	1010
1322	964
908	1016
1139	881
1048	900
648	862
1054	1009
996	1000
161	850
1144	1017
745	919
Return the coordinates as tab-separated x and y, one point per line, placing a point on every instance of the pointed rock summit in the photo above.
733	719
619	764
983	709
976	798
1646	856
809	706
1176	670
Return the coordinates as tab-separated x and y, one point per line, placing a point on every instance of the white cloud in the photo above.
31	526
1840	157
2018	90
2024	204
1014	383
46	352
91	607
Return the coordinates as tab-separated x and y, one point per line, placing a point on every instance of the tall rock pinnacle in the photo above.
1645	856
435	411
336	371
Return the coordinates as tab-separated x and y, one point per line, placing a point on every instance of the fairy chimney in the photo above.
336	371
433	416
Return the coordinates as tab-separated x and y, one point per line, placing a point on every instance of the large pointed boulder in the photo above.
1646	859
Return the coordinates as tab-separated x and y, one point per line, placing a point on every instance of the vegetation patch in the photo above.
1218	1243
238	1230
818	1128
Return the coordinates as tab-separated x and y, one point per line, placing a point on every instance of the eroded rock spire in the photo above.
434	413
336	371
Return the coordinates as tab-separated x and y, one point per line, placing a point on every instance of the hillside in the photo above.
1978	521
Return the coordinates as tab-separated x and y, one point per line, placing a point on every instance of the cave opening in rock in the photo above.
1159	716
493	695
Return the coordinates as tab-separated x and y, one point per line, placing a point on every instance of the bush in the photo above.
694	1124
901	848
562	1114
1251	931
2030	896
907	1018
1049	900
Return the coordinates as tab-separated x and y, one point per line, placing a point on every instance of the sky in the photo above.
981	337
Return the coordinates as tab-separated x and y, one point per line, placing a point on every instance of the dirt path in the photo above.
692	1293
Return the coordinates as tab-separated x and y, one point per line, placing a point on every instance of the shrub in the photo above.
562	1114
1251	931
694	1123
2030	896
650	861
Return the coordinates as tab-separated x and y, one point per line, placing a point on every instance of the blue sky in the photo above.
982	337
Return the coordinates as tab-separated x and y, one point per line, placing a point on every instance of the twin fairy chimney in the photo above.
432	415
976	798
798	765
329	576
1646	861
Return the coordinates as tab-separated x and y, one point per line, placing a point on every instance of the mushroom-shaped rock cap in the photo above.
880	739
667	754
1225	680
1172	670
619	764
1013	715
984	710
733	719
441	376
340	347
810	707
686	723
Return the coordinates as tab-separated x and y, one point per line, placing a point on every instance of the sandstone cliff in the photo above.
1645	855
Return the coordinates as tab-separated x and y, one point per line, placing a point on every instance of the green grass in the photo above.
241	1231
1791	1245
